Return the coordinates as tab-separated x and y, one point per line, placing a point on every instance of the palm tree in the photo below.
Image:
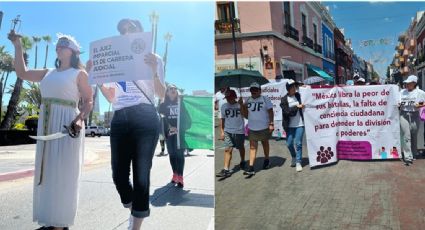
94	103
36	40
7	68
11	112
46	39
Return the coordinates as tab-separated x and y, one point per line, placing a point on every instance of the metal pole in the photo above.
232	10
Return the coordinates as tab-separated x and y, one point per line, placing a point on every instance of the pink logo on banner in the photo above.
354	150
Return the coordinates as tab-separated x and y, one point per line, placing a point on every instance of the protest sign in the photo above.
120	58
353	122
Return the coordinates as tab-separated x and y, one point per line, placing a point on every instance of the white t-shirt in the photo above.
258	115
233	120
295	121
219	97
127	94
409	99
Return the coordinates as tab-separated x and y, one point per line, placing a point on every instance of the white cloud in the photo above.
334	6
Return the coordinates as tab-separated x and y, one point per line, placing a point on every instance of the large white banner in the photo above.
275	91
120	58
353	122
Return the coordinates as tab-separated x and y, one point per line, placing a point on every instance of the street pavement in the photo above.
99	204
346	195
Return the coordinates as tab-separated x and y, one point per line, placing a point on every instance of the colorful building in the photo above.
275	38
328	26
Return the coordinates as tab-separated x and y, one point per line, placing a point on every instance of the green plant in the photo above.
19	126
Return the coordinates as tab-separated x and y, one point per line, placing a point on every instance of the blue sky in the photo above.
190	62
374	20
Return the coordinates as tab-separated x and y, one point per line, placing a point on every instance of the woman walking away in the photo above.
169	109
411	99
58	162
293	123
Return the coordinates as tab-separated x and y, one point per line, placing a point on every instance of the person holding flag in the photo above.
258	109
134	131
234	135
169	109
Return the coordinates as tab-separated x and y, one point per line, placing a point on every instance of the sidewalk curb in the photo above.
16	175
30	172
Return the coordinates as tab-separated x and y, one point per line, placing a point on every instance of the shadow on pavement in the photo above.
173	196
275	161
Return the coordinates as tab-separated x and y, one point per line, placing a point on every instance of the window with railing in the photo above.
225	13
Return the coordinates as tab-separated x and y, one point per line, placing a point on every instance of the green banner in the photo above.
195	122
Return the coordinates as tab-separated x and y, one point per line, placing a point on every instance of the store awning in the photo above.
316	71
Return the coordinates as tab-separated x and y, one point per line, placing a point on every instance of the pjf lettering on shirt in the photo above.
255	106
232	113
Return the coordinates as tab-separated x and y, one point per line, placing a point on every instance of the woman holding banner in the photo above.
411	99
169	109
293	123
58	160
134	131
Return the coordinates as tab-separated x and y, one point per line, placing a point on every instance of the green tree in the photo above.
9	117
47	39
36	40
6	67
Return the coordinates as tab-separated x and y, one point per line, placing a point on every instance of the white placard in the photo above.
352	122
120	58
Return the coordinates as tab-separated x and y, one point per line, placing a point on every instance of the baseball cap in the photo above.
411	78
255	85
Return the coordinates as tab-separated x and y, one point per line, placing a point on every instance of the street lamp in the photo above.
167	38
154	17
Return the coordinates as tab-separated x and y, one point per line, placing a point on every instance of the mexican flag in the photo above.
195	122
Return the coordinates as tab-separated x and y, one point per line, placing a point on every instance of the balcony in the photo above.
291	32
308	42
225	26
317	48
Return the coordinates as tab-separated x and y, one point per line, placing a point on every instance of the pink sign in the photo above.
354	150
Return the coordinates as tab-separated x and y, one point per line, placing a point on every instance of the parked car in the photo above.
95	131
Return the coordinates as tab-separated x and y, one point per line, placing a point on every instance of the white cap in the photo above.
411	78
255	85
361	80
290	82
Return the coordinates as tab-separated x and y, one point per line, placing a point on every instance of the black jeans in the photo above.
176	155
134	136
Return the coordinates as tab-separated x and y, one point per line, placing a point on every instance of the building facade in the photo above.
343	58
328	26
275	38
420	50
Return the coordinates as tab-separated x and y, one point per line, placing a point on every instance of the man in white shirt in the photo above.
234	135
219	100
258	110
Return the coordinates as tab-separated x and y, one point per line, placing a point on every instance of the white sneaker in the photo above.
130	222
299	167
